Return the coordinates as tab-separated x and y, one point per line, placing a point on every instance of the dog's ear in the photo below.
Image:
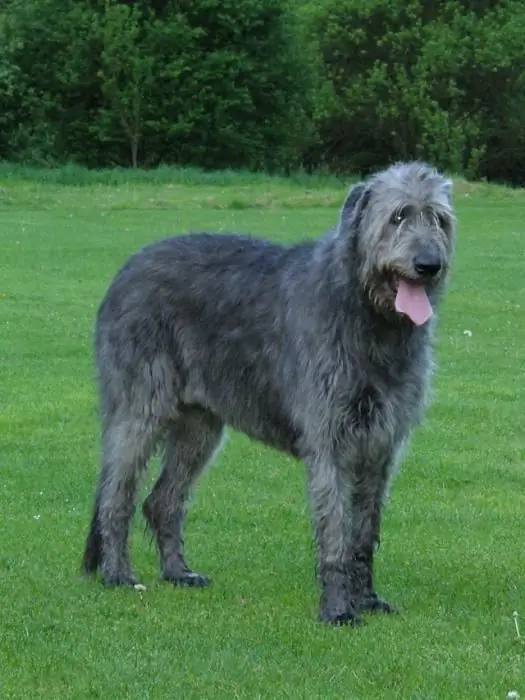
353	208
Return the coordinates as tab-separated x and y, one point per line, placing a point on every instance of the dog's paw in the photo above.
338	618
187	578
336	609
373	603
114	579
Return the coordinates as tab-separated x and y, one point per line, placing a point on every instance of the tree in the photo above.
52	48
126	73
198	82
420	79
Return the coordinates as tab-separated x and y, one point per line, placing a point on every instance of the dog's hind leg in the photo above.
126	446
190	442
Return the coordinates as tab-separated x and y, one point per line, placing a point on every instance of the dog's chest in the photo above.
379	409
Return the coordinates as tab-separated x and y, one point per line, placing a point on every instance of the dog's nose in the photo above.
427	265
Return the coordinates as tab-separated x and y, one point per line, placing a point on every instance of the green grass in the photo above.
452	550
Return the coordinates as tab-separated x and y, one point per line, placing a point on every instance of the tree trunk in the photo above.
134	150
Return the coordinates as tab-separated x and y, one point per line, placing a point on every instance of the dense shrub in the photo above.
201	82
419	78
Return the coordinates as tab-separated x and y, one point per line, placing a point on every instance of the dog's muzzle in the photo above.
427	264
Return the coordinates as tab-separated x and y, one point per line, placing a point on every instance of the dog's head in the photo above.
401	224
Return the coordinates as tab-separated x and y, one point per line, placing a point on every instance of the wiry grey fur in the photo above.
299	347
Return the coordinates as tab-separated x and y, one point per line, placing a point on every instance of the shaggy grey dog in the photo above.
320	349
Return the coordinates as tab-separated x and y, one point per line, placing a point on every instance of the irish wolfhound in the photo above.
320	349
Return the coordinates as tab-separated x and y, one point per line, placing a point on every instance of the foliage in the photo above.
54	50
126	75
274	85
417	78
207	83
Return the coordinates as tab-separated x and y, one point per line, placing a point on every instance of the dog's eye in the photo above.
399	216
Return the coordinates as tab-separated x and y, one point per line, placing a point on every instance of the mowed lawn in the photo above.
453	552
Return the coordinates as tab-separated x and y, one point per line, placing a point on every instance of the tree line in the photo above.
273	85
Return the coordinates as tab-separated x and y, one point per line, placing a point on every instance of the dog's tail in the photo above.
93	549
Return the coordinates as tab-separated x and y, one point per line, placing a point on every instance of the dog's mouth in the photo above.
411	299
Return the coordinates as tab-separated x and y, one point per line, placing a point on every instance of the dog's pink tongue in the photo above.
412	300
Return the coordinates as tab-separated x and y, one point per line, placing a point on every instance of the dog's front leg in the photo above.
329	500
367	496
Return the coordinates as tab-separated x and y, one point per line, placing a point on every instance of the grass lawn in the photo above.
452	555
